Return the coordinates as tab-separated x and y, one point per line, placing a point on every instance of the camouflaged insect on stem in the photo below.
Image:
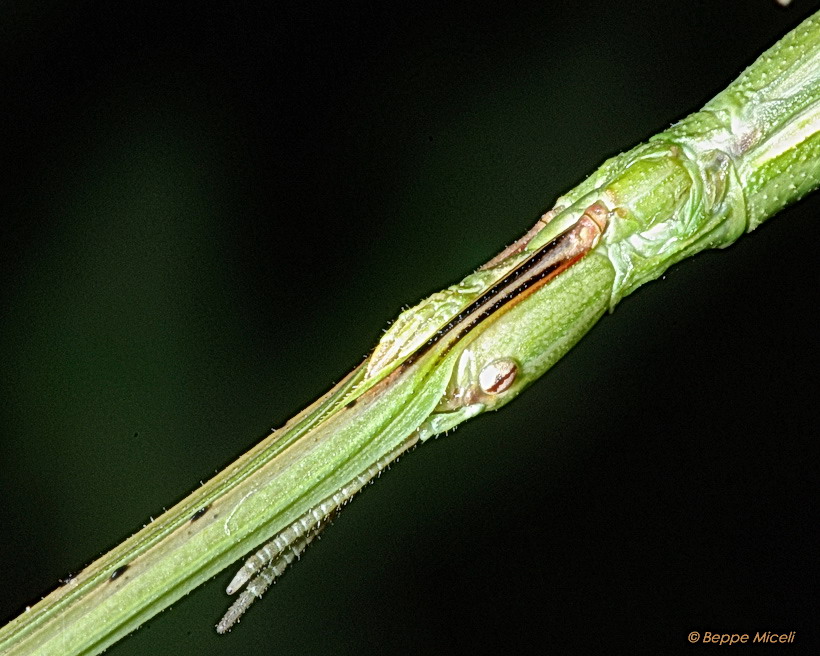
473	347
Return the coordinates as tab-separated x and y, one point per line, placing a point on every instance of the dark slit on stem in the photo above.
118	572
199	513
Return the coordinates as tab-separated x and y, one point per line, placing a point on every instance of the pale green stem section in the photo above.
700	184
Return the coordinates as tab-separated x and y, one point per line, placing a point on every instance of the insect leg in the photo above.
312	521
279	545
263	580
520	244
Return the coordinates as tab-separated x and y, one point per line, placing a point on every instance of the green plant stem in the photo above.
700	184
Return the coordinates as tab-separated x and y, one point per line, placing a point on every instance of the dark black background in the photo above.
210	212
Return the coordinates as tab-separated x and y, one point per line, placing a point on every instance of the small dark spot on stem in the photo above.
118	572
352	403
199	513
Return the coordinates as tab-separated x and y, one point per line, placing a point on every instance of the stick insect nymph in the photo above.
472	386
